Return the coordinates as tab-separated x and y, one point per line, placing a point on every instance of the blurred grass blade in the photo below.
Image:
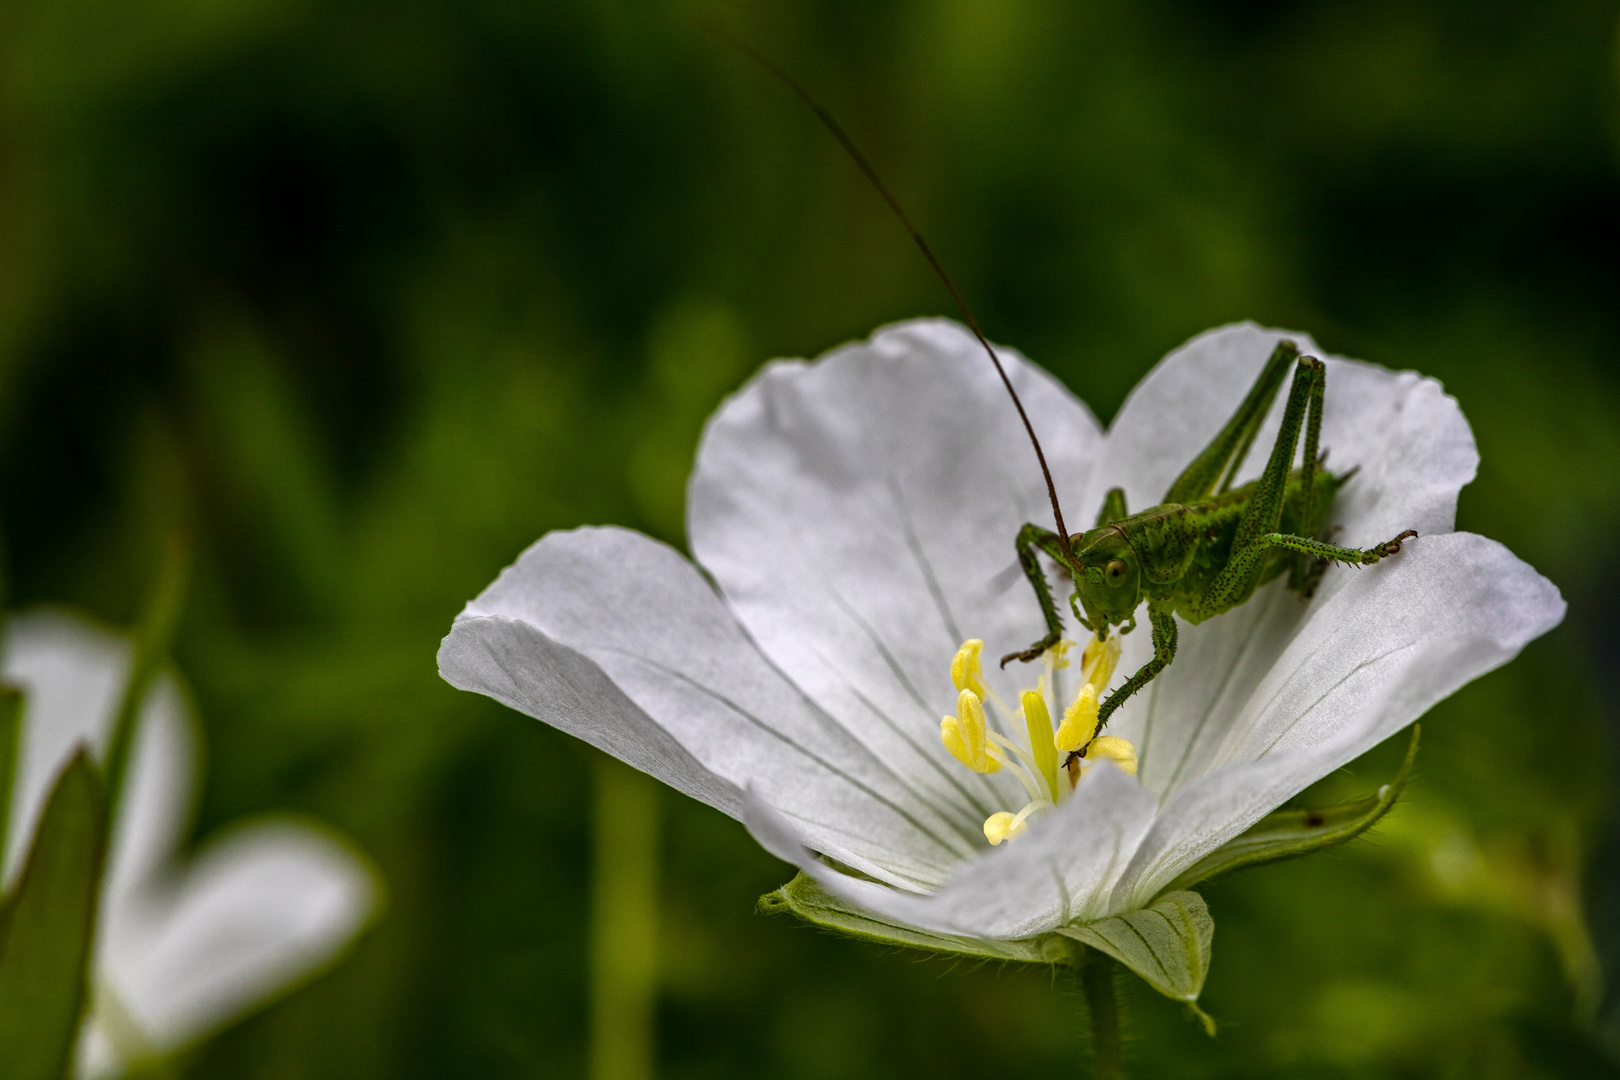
46	927
804	897
11	708
1288	833
152	638
1167	944
624	924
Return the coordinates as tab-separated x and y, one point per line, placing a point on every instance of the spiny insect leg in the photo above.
1313	434
1264	513
1251	557
1033	538
1164	651
1226	451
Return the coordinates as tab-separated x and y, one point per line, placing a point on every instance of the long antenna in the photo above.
859	158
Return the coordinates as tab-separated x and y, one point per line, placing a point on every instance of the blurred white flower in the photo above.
184	944
854	521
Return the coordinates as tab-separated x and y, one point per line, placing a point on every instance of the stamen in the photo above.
1005	826
964	735
1098	661
1115	749
966	671
1000	826
1021	764
1079	721
1097	665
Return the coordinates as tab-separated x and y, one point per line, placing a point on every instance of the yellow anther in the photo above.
1003	826
1059	654
964	735
1115	749
966	671
1097	663
1079	722
1039	722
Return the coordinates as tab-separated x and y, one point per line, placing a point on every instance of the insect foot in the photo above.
1392	547
1034	652
970	739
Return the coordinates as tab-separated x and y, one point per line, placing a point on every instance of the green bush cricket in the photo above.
1207	547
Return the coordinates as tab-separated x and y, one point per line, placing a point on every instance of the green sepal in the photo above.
1287	833
1167	944
804	897
46	926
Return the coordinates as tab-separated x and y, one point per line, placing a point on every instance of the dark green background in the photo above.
370	295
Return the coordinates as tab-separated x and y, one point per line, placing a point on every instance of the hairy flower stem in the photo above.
1097	976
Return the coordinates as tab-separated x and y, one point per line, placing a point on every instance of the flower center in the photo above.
1051	763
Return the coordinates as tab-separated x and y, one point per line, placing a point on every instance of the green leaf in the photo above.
11	703
46	927
809	901
1288	833
1167	944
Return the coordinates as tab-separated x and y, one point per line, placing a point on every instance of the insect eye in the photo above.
1114	572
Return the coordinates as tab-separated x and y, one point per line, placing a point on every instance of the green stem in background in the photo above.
624	923
1097	976
11	706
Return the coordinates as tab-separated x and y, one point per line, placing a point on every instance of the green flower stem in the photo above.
1097	976
624	923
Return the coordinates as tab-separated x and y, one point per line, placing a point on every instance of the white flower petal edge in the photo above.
857	515
1396	639
182	948
616	638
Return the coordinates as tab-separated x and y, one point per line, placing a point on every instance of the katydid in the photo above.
1208	546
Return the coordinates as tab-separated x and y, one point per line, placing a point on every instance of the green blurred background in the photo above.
368	296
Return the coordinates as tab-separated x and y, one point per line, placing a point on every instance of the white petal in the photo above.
1414	449
1393	641
158	796
615	638
259	908
859	515
73	675
1060	871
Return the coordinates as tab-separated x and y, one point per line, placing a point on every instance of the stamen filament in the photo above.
1023	766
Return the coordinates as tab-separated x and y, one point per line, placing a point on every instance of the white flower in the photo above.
856	517
182	946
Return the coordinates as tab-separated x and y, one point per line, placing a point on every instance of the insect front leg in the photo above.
1033	539
1164	651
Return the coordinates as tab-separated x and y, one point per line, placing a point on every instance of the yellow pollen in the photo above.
1115	749
966	671
1097	665
1079	722
1003	826
964	735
